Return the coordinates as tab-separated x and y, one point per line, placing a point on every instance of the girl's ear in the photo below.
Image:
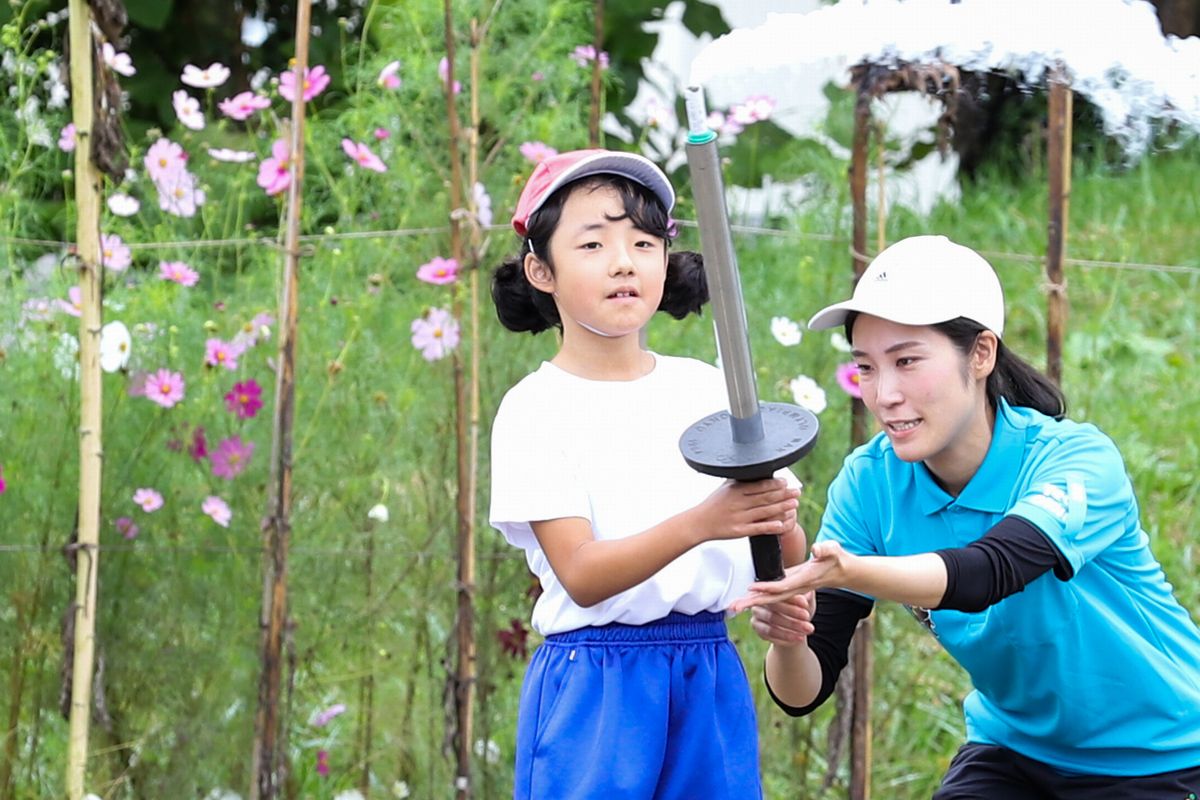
538	273
983	356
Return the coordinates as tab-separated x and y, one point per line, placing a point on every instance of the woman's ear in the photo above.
539	274
983	356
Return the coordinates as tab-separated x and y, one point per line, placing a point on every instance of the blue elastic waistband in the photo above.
672	628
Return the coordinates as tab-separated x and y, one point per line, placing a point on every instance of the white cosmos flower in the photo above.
117	62
839	342
233	156
378	512
785	331
215	75
187	108
807	393
123	205
115	344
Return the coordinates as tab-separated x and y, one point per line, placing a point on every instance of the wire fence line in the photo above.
377	551
51	245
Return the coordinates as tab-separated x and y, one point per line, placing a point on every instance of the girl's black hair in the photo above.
1012	378
521	307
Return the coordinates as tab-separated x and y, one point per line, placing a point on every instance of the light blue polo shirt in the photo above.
1099	673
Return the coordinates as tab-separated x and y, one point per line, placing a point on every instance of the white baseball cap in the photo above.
923	280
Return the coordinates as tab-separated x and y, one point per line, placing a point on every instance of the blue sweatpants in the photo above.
638	712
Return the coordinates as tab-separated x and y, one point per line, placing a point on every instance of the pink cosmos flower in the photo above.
187	108
315	81
435	334
444	74
164	158
274	173
253	331
66	138
243	105
245	400
537	152
439	271
538	76
218	353
847	378
148	499
382	133
73	305
388	78
723	125
761	106
584	53
164	387
218	509
114	253
323	718
178	272
323	763
179	193
231	457
198	449
137	384
214	76
362	154
126	527
3	485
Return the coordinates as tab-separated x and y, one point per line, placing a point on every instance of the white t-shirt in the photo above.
608	451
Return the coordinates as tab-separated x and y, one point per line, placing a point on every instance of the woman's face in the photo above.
930	398
608	274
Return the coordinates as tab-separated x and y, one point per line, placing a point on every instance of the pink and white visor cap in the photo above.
557	171
923	280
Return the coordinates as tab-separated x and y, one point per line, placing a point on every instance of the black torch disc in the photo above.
789	433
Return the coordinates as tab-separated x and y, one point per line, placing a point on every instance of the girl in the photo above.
1016	528
637	691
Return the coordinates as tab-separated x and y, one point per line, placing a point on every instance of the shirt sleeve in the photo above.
533	477
1079	496
844	520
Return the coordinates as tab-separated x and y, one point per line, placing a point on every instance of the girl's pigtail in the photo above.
685	290
519	306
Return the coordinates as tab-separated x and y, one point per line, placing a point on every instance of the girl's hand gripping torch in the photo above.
759	438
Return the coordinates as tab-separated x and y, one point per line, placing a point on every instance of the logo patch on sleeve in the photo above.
1052	500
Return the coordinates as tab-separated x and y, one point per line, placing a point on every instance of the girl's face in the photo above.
929	398
608	275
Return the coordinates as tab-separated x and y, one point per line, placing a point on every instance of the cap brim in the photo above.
831	316
634	167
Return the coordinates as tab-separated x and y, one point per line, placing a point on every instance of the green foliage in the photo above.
374	421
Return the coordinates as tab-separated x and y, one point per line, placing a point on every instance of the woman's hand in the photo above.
828	565
786	623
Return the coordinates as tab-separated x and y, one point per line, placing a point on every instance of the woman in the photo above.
1012	532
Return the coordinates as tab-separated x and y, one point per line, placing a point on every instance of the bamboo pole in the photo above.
861	645
597	97
269	758
1058	145
464	668
91	272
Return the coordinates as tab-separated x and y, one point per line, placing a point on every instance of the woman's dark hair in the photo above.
521	307
1012	378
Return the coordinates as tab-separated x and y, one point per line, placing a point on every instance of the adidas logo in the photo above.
881	276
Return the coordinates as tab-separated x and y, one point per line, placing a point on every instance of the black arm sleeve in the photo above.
999	564
834	621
